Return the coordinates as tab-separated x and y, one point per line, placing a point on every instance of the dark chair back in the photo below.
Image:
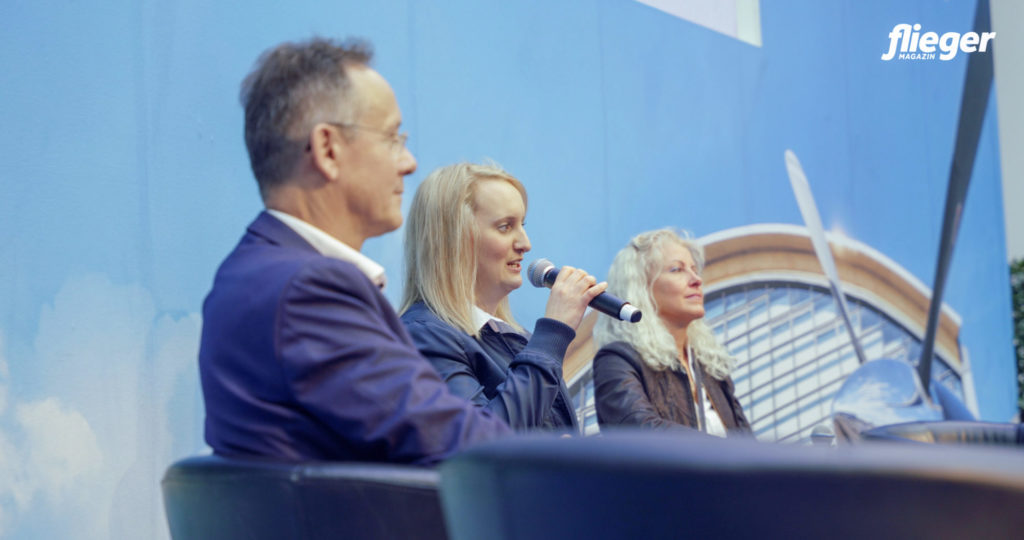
211	497
661	485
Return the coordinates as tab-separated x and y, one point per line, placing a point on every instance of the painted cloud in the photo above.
92	415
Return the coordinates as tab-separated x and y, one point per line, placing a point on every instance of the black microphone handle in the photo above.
606	303
550	275
613	306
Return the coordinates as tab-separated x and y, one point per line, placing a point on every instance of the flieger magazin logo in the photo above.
916	46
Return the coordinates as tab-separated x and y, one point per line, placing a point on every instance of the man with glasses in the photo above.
301	356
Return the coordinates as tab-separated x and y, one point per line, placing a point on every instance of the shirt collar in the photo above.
481	318
330	246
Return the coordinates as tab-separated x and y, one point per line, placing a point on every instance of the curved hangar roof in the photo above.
769	252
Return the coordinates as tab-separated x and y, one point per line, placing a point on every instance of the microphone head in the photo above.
536	271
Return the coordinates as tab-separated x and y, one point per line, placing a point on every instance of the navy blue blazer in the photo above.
302	358
518	379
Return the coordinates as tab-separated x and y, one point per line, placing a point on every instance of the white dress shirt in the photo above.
712	421
330	246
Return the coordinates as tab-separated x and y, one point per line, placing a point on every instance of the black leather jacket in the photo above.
629	392
516	377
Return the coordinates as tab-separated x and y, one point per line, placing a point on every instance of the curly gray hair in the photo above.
631	275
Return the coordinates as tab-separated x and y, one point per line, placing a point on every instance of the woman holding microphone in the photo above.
464	247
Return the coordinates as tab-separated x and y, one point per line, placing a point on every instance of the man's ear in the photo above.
325	145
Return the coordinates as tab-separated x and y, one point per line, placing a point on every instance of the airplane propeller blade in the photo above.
977	86
809	210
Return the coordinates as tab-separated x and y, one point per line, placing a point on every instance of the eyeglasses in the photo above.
397	140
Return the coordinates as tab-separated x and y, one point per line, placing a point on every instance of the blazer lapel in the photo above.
274	231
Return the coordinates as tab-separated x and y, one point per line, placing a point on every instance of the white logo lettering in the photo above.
914	45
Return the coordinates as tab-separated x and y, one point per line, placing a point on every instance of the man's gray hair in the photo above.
292	87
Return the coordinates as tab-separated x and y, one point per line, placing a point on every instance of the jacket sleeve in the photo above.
359	375
531	383
619	395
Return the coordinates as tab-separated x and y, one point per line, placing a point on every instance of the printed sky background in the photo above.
125	182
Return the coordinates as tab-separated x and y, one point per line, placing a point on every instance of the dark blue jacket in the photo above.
302	358
518	379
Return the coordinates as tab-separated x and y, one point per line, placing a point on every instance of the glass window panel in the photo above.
802	324
784	364
740	377
760	377
823	300
824	314
760	362
780	330
798	295
891	333
807	386
825	339
761	393
895	351
759	314
807	369
807	418
784	409
785	390
758	333
713	308
783	351
872	344
849	361
805	354
779	303
760	346
735	324
760	410
742	388
804	341
830	386
735	300
759	294
787	427
735	341
831	373
869	318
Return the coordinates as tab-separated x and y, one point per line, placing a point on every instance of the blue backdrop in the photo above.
125	181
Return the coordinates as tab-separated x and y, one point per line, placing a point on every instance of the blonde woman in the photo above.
667	370
464	247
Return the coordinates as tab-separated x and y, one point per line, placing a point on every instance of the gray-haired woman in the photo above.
666	371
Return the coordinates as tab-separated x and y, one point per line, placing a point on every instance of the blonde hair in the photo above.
440	244
632	275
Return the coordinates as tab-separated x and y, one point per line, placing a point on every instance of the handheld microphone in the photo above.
543	272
